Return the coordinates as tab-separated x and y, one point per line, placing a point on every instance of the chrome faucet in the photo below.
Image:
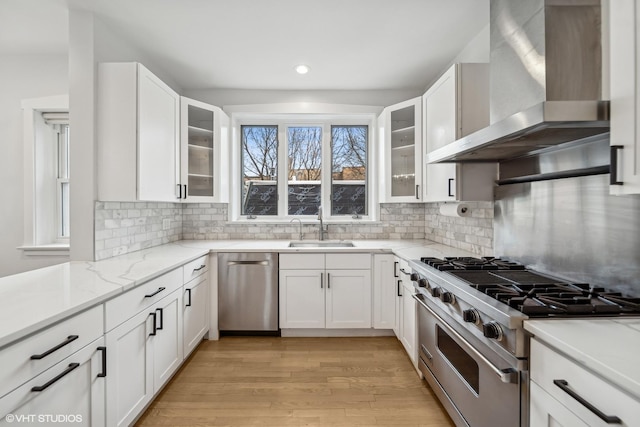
322	230
299	222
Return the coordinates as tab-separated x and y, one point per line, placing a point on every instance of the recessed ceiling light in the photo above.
302	69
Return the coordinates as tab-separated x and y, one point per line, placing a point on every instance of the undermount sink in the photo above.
321	244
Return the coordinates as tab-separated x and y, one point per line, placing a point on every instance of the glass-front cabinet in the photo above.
204	130
401	132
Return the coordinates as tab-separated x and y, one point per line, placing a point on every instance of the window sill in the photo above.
54	249
315	222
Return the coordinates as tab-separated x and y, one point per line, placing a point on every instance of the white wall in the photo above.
21	77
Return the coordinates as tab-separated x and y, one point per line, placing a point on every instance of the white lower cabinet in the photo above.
408	330
312	296
565	393
385	277
302	302
195	312
144	352
72	392
348	299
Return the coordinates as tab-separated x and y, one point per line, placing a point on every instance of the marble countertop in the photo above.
607	346
33	300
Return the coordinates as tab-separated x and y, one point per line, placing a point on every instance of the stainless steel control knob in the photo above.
448	297
471	315
423	283
492	330
435	292
414	277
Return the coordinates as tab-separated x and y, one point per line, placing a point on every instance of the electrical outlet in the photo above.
166	223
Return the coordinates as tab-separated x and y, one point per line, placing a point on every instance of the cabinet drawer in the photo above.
301	261
548	366
195	268
126	306
49	345
348	261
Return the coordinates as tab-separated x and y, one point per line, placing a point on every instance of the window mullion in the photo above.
283	171
326	170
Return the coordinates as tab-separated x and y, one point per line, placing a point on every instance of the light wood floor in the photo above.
259	381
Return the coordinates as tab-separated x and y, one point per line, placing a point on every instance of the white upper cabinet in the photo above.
455	106
138	135
203	152
400	130
624	24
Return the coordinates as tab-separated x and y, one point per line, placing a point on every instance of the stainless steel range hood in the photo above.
546	81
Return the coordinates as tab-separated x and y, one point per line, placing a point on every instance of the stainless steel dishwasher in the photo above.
248	293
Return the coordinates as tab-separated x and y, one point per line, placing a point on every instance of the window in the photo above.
324	161
46	176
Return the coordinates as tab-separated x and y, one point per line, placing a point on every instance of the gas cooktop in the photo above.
531	293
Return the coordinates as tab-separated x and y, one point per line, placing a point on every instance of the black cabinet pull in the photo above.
321	279
185	191
609	419
449	187
613	169
395	269
155	293
418	192
179	191
199	268
328	281
399	284
189	303
69	339
161	318
71	367
155	329
104	362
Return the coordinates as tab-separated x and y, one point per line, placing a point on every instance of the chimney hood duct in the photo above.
546	78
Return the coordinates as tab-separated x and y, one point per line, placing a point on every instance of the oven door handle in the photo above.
508	375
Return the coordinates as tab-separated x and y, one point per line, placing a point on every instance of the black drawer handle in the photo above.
609	419
104	362
155	293
395	269
161	318
189	303
449	187
71	367
613	170
399	284
155	329
199	268
69	339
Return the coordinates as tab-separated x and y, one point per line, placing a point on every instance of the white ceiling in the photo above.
255	44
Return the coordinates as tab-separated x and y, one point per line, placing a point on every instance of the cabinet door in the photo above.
129	368
440	111
403	152
195	314
167	343
385	274
158	130
348	299
198	151
409	331
76	397
302	298
624	23
545	411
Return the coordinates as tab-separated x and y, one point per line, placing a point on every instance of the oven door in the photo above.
478	390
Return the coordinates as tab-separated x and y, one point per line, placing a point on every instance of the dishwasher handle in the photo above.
248	262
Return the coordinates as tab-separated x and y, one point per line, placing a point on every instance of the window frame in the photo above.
284	121
37	242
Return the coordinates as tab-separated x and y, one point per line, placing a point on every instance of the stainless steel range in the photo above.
472	346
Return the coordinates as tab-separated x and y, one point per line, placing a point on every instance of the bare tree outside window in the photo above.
349	170
260	170
305	169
